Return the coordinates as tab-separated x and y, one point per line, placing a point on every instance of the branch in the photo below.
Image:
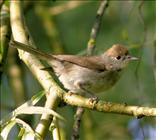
44	78
96	26
90	48
102	106
77	121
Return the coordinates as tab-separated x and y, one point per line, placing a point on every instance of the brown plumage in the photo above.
117	50
85	73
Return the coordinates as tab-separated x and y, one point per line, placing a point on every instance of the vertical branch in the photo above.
45	79
56	129
96	27
90	49
76	125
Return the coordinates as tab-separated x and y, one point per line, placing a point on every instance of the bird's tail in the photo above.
31	50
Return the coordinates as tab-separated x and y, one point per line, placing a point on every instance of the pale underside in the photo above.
85	79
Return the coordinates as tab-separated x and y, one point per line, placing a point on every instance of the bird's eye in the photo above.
118	57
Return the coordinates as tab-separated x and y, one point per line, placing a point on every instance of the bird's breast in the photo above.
92	80
104	81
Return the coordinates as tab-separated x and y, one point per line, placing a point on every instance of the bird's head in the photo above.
117	57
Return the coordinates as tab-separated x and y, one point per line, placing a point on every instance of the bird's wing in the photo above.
90	62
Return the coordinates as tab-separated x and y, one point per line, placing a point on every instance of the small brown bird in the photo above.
81	74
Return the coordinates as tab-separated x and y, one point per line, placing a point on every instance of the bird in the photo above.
85	74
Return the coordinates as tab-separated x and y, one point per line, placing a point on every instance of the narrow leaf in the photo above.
6	130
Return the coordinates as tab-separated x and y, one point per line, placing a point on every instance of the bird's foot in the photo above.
94	99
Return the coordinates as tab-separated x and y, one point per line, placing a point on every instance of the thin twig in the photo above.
90	48
76	126
96	27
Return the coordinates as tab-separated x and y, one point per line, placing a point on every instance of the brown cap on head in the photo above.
117	50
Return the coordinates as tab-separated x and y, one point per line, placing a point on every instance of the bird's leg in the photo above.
90	94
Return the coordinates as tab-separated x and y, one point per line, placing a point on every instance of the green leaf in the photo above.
37	110
33	100
6	130
14	113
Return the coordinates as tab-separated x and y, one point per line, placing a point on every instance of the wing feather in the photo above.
91	62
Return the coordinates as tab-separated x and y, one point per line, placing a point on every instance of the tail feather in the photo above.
31	50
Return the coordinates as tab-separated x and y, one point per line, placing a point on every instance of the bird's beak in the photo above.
132	58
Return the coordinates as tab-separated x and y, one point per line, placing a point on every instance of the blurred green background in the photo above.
57	28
